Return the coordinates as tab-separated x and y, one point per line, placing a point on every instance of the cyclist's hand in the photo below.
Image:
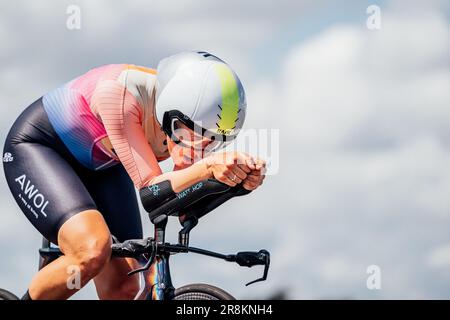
256	177
230	168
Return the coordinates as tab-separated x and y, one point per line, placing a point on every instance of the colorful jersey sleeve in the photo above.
122	117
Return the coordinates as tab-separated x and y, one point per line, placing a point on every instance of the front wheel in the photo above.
6	295
201	291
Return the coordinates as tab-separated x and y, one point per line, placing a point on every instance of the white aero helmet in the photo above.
202	92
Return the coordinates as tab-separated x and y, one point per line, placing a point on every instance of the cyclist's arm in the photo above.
122	117
181	179
195	201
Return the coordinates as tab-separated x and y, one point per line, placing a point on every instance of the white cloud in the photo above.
440	257
364	127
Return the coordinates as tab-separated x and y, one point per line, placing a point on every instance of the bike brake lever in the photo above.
264	254
250	259
149	262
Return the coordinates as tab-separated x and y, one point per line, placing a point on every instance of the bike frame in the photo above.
157	280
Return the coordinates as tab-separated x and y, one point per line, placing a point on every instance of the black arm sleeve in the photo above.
211	202
160	201
156	194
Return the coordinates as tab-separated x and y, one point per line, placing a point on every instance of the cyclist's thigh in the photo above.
43	183
115	197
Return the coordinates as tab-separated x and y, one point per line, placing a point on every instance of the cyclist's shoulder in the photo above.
105	72
109	81
126	74
90	80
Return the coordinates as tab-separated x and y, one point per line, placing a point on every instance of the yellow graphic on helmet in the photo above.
230	100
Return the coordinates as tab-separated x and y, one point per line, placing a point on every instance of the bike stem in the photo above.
160	231
183	235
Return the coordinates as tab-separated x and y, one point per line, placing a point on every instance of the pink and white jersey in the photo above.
107	116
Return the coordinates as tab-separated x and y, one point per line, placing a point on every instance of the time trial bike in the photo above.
153	253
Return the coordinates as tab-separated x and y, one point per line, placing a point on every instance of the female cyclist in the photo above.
73	158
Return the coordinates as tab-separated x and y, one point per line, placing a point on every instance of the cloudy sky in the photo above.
363	174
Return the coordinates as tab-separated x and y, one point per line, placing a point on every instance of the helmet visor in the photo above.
196	137
200	140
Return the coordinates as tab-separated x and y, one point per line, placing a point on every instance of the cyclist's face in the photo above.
191	145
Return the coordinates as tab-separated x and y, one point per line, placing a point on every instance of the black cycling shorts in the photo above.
50	185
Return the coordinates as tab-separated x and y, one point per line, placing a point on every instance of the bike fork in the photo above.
157	280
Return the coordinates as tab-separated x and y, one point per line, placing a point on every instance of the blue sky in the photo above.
363	117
